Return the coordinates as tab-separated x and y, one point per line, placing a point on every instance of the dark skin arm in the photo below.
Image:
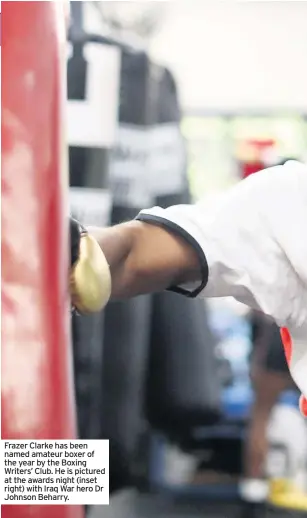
145	258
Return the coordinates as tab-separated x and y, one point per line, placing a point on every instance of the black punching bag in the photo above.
93	89
182	384
127	322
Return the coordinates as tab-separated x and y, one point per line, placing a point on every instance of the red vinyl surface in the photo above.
36	374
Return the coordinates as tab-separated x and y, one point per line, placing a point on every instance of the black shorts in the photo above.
268	350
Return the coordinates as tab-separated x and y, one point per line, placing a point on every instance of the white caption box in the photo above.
71	472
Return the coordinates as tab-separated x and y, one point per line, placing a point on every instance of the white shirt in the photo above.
255	245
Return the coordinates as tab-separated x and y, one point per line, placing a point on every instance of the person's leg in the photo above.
268	386
270	377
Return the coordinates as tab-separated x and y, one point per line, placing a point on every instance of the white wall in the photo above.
237	55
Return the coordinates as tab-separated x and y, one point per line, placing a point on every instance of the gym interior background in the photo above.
174	102
197	96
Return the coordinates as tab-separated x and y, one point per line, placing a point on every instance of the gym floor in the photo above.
130	504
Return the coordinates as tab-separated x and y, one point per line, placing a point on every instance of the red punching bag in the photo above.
36	371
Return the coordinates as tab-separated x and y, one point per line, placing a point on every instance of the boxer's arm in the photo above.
248	246
145	258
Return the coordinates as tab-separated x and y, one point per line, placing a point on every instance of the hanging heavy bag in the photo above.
181	392
127	322
90	200
183	389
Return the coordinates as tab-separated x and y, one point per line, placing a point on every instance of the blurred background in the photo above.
174	102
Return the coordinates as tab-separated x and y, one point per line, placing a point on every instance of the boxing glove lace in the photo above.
90	278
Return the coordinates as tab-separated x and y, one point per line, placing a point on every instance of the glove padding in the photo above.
90	278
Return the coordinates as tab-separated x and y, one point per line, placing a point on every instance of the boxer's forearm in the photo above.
117	244
145	259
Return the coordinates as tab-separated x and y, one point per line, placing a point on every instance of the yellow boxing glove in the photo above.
90	277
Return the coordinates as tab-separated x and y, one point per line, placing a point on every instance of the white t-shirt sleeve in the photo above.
253	244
